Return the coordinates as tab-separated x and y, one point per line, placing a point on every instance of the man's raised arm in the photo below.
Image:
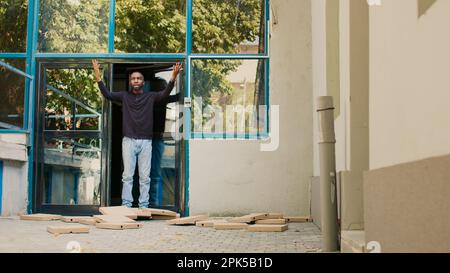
115	96
165	94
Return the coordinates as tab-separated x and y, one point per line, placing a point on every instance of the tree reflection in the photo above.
13	25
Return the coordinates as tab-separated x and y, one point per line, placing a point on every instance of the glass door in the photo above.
71	149
78	165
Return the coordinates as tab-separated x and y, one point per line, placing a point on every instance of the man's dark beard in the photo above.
136	88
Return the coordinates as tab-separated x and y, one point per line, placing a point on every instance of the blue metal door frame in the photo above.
1	186
61	63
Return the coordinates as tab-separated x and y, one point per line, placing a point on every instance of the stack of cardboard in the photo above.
121	217
255	222
117	218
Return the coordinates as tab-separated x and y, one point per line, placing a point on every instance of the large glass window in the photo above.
225	27
72	171
73	101
70	137
13	25
150	26
73	26
228	97
12	90
228	26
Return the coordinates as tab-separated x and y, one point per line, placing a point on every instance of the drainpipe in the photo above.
328	194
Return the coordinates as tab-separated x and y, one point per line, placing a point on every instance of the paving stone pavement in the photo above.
156	236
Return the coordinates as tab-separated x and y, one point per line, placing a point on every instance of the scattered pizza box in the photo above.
113	219
271	222
90	222
249	218
267	228
40	217
227	225
208	223
191	220
298	219
119	210
162	212
274	215
164	217
74	219
143	213
118	226
67	229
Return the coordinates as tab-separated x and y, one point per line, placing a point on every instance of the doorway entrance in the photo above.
166	175
78	165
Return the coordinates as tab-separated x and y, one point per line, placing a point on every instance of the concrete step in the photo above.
353	241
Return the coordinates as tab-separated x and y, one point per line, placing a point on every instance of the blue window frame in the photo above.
15	84
239	107
1	186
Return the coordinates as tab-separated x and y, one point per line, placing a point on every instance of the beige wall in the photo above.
409	81
13	153
234	177
15	188
406	206
319	71
331	72
356	59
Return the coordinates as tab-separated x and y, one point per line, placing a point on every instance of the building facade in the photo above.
245	136
69	135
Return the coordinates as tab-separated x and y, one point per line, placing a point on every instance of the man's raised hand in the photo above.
176	70
96	67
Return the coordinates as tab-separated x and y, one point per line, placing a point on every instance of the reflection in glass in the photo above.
73	26
86	119
228	26
73	101
152	26
228	96
170	109
12	93
58	112
72	169
13	25
168	172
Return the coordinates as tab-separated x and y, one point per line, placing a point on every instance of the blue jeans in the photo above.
156	173
132	149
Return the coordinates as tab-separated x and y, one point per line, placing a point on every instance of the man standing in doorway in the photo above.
137	114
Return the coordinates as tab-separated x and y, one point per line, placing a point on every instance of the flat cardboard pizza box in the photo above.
118	226
162	212
143	213
209	223
271	222
267	228
40	217
275	215
113	219
249	218
191	220
74	219
90	222
164	217
119	210
298	219
67	229
227	225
